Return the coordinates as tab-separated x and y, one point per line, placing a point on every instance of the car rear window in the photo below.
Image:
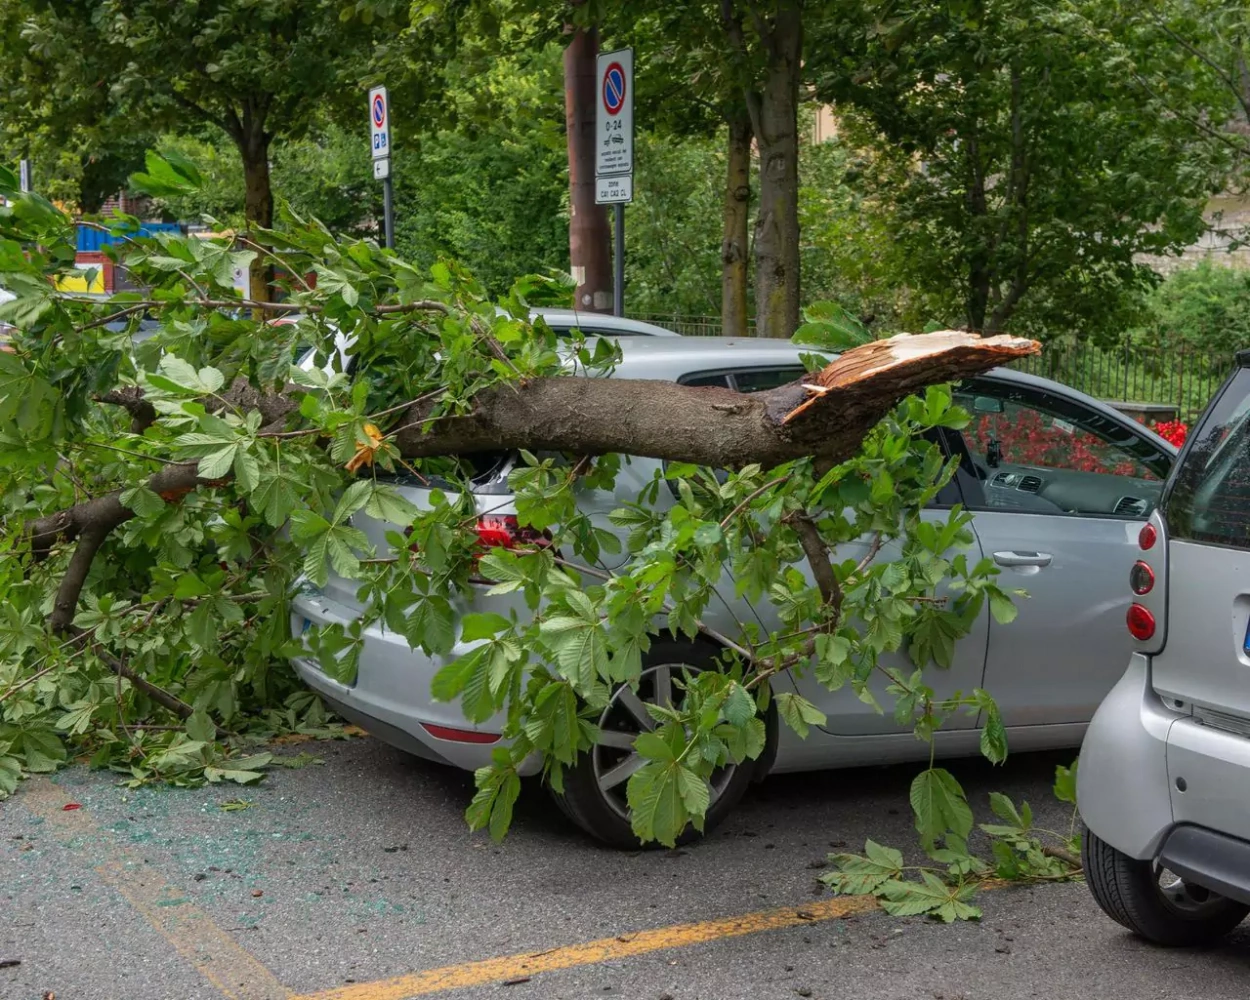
1209	501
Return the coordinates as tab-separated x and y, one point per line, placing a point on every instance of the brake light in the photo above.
1141	578
503	531
1148	537
499	531
1141	623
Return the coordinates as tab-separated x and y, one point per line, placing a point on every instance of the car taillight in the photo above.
1141	623
500	531
1141	578
1148	537
505	532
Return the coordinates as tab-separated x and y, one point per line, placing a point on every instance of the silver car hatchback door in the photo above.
1205	660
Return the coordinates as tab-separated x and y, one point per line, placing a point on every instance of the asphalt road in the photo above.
357	875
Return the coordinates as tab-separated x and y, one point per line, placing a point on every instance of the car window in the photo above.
1210	498
747	379
1039	451
761	380
721	380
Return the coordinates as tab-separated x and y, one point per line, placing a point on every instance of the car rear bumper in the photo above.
391	696
1159	784
1210	859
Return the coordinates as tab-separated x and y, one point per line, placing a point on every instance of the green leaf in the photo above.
498	787
482	626
1002	607
857	875
580	649
830	327
239	777
142	501
1005	810
218	463
276	496
1065	783
947	903
200	727
656	807
386	504
695	795
739	706
246	470
940	806
994	736
798	713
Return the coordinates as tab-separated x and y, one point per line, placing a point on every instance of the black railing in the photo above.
1159	380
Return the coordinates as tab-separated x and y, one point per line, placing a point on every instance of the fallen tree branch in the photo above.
704	425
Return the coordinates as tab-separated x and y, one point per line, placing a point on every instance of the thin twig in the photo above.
276	259
747	501
873	548
132	454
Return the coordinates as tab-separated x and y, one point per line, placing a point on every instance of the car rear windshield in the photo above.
1210	498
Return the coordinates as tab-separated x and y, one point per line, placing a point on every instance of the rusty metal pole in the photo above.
589	256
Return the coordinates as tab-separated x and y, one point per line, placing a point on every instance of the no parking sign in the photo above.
614	117
379	123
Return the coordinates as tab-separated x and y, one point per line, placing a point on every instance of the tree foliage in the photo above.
1022	164
163	498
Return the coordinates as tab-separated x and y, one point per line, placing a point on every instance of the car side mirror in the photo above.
987	404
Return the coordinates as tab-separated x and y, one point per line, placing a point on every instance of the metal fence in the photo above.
1164	380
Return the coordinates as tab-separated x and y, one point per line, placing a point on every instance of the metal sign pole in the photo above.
24	176
388	212
618	261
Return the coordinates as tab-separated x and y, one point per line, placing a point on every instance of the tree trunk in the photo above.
733	309
257	203
589	256
777	133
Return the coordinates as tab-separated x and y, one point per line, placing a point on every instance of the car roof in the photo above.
672	357
572	319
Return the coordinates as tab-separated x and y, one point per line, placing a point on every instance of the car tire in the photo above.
594	791
1152	903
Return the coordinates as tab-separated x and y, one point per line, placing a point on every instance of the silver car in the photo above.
1164	782
1060	485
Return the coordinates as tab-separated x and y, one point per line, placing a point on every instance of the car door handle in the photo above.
1023	558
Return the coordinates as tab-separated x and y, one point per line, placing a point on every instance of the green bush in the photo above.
1207	307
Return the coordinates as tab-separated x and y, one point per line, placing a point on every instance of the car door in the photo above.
1061	488
846	714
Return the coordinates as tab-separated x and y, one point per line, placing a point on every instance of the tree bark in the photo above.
589	255
776	133
253	146
734	248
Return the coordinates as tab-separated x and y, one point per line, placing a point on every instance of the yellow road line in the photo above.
495	970
210	950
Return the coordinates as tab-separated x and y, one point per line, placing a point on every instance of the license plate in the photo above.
305	626
1246	645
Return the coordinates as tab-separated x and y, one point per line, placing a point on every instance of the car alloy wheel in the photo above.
624	718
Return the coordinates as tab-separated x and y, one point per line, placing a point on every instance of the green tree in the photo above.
255	69
1022	165
219	472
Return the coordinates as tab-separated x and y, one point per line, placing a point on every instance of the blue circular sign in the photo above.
614	88
379	110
